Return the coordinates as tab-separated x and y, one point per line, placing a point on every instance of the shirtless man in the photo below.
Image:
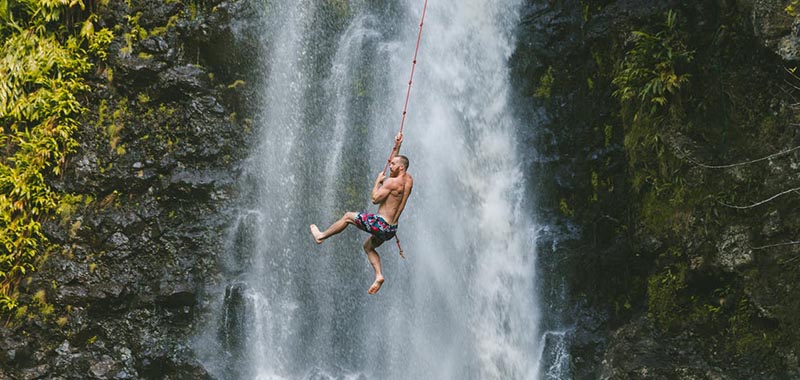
390	195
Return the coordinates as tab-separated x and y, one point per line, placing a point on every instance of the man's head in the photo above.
403	161
397	163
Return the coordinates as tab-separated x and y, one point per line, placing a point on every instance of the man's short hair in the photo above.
404	161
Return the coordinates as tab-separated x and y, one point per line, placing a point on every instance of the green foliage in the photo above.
545	88
564	207
143	98
98	41
667	204
42	73
671	303
652	73
724	315
660	82
112	124
746	338
595	186
663	297
137	33
792	8
237	84
649	79
585	13
608	134
68	205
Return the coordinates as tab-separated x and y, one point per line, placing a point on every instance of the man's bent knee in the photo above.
368	246
371	244
350	217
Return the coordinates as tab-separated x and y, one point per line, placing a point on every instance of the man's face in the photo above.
394	166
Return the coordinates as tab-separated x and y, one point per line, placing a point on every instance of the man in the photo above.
390	195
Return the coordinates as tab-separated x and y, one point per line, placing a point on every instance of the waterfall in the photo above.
464	303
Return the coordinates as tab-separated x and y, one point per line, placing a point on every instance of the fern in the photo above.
651	75
42	73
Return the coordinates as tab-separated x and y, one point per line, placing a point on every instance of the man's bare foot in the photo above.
316	233
376	285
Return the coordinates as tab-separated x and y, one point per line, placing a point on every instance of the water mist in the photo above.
464	303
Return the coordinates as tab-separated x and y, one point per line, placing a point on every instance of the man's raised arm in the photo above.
398	140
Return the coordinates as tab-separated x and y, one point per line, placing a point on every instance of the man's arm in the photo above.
379	193
398	140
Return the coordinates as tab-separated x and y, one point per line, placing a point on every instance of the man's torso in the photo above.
390	207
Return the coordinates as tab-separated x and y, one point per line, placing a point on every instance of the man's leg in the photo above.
335	228
375	260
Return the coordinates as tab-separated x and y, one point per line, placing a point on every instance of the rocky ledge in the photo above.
160	148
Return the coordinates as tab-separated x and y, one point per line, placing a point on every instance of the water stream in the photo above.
464	303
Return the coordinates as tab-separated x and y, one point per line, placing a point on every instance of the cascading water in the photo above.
464	304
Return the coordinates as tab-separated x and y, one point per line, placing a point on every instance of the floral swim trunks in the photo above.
376	225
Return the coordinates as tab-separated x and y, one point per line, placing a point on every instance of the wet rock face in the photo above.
733	250
777	25
596	260
637	353
159	154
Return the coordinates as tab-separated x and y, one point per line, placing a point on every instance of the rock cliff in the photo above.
667	255
159	152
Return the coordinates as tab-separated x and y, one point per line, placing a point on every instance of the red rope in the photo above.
405	106
411	79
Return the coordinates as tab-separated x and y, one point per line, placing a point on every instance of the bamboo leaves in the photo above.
653	71
42	73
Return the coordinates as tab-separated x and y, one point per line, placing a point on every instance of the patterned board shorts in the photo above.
376	225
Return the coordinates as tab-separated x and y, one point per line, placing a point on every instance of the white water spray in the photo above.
464	304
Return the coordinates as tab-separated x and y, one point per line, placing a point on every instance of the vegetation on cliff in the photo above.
679	109
146	161
667	145
46	52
